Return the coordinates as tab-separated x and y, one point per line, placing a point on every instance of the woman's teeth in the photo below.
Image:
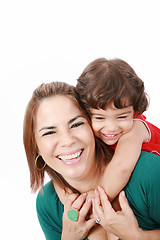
71	156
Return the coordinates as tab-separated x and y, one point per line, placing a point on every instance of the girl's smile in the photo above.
111	123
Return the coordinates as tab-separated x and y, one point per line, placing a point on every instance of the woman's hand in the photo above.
122	224
79	229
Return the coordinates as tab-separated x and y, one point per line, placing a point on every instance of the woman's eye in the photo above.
48	133
77	124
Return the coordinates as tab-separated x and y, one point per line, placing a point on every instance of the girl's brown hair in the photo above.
42	92
104	81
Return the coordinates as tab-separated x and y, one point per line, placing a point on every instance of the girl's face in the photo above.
64	138
111	123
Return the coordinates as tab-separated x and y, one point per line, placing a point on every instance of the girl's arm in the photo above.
118	171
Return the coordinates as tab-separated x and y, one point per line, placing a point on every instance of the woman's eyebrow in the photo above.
53	127
45	128
75	118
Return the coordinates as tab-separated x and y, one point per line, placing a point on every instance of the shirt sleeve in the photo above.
143	191
142	118
153	196
49	212
153	143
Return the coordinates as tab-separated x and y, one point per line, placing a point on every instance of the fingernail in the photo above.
123	193
84	194
89	200
96	191
100	189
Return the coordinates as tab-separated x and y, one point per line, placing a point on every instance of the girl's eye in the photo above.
122	117
48	133
77	124
99	118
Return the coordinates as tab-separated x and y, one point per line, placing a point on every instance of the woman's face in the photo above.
64	137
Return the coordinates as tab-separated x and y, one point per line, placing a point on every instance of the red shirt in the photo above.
153	144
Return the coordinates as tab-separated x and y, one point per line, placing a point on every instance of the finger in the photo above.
85	208
72	197
69	201
97	198
107	207
90	223
91	194
77	204
97	209
124	204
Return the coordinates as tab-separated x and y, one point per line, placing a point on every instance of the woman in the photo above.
57	131
58	140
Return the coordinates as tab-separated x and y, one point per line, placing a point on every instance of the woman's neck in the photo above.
86	186
92	181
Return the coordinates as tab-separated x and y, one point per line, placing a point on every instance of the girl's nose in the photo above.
111	126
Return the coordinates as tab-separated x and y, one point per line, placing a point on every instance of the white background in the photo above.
47	40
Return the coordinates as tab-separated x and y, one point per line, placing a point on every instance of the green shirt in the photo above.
142	191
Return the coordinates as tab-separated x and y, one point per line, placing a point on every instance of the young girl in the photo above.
115	99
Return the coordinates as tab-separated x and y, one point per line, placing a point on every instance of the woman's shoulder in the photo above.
49	211
146	171
149	160
47	190
47	196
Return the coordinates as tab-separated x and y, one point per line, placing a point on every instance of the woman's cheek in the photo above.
89	135
46	147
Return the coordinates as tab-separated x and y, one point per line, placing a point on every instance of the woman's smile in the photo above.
71	158
64	137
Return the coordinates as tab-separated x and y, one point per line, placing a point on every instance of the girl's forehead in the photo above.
112	110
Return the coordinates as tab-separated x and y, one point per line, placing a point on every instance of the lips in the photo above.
110	136
71	158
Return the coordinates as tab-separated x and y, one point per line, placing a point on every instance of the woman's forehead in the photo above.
57	108
62	101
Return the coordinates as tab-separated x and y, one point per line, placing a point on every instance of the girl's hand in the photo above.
122	224
79	229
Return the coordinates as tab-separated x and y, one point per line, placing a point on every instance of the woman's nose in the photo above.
66	139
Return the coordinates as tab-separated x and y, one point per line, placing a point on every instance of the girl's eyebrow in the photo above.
96	114
69	122
125	112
